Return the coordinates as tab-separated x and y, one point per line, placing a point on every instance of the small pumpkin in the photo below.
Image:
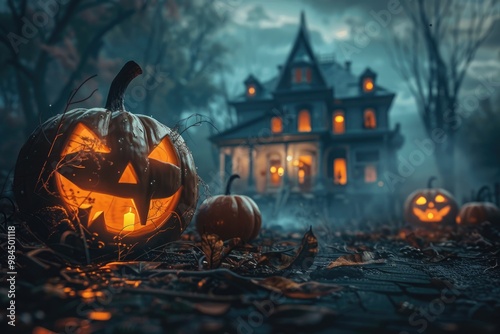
229	216
430	206
125	179
478	212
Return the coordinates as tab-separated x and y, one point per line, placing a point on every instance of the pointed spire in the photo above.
303	24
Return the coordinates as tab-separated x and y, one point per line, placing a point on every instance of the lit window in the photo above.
251	90
368	85
276	171
369	119
297	75
338	122
304	124
276	125
370	174
308	75
304	164
302	74
339	171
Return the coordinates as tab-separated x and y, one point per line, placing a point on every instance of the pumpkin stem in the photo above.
230	182
484	190
120	83
431	180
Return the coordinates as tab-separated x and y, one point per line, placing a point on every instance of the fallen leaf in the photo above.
356	260
292	289
230	245
216	250
301	260
212	246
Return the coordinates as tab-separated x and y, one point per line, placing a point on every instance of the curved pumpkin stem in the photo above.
230	182
431	180
484	190
120	83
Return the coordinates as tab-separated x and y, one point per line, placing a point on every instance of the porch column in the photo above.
222	167
251	183
319	186
286	179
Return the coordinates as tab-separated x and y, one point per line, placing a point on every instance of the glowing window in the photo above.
370	174
304	164
304	123
370	121
339	171
297	75
338	122
308	75
302	74
276	171
368	85
251	90
302	176
276	125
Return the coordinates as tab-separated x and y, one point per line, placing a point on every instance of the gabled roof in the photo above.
345	84
301	52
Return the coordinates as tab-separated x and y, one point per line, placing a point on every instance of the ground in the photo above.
387	280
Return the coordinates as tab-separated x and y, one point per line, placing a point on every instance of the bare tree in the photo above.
41	38
180	51
433	56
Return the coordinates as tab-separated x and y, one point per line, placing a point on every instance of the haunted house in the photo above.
315	136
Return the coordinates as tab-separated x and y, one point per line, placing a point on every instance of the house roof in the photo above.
345	84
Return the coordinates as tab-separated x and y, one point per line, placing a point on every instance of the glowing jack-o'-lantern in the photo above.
125	177
430	206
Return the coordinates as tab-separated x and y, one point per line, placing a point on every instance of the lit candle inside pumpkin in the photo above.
128	220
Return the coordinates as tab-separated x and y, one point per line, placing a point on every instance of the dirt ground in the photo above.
386	280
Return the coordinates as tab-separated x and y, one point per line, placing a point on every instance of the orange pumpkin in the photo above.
478	212
229	216
430	206
125	178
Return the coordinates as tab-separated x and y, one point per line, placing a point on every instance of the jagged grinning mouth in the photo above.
431	215
115	209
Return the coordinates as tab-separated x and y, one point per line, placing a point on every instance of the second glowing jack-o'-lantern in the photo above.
430	206
126	178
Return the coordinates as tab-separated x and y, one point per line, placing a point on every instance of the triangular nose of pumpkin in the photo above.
129	175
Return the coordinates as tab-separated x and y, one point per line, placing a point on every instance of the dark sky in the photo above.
261	34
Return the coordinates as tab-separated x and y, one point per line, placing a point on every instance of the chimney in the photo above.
348	65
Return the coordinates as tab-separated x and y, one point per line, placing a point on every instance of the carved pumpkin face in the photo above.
120	182
125	178
430	206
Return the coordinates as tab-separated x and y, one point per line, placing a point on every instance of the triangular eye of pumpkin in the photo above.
440	199
129	175
164	152
83	139
421	200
